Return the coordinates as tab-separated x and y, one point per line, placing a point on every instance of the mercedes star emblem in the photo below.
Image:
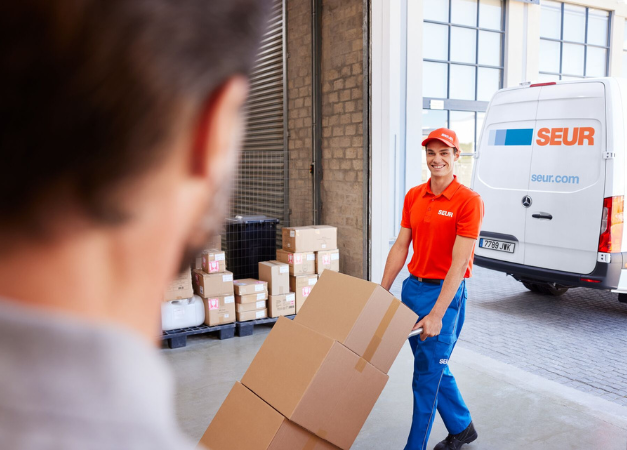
526	201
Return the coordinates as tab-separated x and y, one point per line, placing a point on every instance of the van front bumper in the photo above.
604	275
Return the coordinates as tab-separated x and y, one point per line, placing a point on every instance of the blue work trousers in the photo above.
433	384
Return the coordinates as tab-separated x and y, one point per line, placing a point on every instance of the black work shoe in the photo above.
455	441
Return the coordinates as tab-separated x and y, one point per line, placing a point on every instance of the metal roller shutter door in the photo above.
261	185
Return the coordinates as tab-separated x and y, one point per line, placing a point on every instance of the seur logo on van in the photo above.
566	136
545	136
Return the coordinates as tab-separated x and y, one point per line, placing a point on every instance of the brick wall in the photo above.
299	111
342	127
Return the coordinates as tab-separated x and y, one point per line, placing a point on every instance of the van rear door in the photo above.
502	172
567	177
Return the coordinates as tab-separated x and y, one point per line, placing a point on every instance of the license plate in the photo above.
497	245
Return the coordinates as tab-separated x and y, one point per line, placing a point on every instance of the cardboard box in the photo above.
214	284
251	298
250	286
245	422
323	387
302	286
329	260
282	305
252	315
243	307
213	261
309	239
179	288
277	274
300	263
361	315
219	310
197	264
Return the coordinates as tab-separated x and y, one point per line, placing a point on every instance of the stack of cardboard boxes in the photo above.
281	301
308	251
214	284
251	299
315	380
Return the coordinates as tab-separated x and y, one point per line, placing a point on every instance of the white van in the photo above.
551	169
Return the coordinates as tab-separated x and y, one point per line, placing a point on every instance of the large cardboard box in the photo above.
299	263
324	387
250	286
243	307
251	298
252	315
282	305
179	288
309	239
365	317
327	260
302	286
208	285
245	422
213	261
219	310
277	274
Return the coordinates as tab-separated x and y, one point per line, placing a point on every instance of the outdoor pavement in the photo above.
537	372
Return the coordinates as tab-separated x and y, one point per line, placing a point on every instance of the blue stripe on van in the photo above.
519	136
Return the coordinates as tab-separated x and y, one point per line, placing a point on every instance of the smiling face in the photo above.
440	159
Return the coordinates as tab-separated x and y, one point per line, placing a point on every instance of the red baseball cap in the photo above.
444	135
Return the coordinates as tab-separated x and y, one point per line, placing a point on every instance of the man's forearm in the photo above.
394	264
453	279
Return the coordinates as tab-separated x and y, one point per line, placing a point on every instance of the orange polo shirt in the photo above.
435	222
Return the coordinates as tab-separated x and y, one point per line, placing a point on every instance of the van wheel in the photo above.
531	286
550	289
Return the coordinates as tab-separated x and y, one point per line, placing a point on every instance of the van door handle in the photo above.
542	216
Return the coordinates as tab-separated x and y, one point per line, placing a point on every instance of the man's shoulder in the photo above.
417	190
465	193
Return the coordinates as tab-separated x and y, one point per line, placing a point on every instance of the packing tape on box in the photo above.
374	343
313	440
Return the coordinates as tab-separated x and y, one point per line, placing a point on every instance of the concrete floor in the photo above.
512	409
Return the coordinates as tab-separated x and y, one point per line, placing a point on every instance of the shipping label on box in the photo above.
250	286
219	310
359	314
277	275
210	285
327	260
282	305
180	288
299	263
244	421
302	286
213	261
324	387
252	315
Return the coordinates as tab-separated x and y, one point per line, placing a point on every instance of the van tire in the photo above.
545	288
531	286
555	291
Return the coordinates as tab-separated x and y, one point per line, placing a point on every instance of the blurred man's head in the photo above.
120	127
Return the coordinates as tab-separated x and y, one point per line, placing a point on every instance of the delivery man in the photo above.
443	219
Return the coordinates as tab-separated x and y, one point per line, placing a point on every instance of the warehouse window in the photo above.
462	69
574	42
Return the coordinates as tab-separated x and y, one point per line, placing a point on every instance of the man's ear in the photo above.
217	128
457	154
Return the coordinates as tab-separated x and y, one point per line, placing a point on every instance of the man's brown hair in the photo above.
90	88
